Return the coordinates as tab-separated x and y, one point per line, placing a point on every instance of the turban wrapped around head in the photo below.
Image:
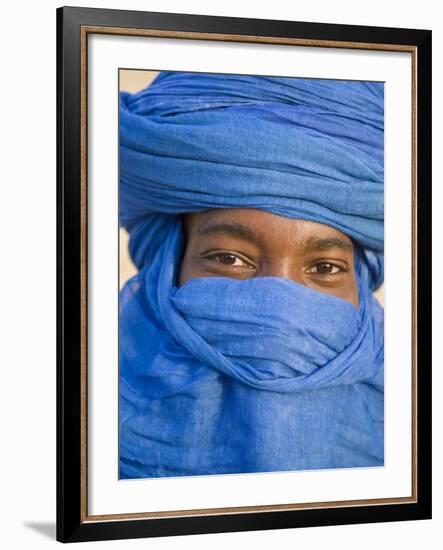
199	389
303	148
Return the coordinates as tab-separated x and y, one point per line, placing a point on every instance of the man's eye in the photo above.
229	259
325	268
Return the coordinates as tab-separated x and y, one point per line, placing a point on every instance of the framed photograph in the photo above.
244	274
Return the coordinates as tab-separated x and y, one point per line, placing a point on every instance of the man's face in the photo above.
242	243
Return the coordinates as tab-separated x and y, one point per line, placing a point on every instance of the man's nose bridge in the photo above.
282	267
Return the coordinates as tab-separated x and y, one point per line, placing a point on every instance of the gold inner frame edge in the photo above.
85	30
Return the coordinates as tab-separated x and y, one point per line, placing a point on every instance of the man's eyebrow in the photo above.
246	233
233	229
313	244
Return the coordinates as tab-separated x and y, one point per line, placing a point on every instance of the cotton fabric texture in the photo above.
225	376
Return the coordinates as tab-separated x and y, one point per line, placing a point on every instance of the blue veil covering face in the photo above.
226	376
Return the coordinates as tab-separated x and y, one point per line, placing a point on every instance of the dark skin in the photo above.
243	242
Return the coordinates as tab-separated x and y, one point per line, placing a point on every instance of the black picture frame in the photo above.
73	523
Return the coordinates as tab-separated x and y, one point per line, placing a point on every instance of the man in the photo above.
250	340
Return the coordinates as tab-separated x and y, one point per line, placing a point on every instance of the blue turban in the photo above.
227	376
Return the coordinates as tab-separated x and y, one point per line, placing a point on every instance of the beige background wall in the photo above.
133	81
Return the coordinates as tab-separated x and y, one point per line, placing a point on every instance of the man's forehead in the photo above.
258	225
